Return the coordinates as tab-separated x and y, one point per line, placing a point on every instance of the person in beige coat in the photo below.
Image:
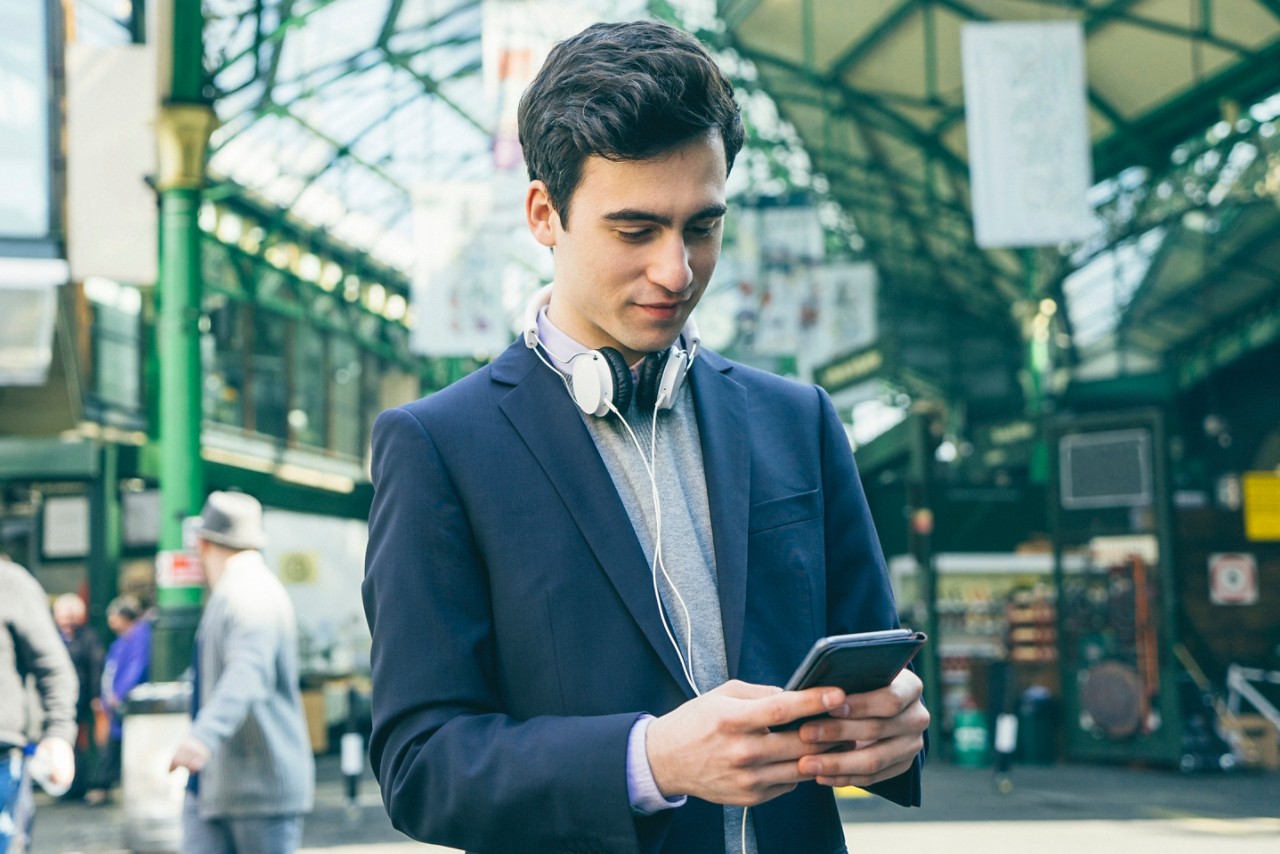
252	775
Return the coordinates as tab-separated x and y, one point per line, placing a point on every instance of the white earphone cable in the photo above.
650	464
657	562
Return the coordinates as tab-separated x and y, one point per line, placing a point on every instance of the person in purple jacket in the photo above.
127	664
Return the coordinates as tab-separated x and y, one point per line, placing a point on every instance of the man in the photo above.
249	754
592	562
127	665
85	650
30	646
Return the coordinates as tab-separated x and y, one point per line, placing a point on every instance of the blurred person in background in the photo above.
127	666
592	562
252	775
85	649
31	647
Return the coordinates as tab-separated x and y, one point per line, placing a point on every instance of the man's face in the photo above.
66	616
643	242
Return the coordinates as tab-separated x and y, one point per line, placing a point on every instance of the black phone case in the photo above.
856	663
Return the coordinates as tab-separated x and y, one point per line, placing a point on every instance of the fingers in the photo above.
774	707
191	754
863	766
838	728
905	690
784	707
61	758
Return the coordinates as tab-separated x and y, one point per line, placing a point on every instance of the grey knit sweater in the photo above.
31	646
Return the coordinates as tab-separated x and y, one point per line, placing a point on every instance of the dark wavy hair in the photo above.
621	91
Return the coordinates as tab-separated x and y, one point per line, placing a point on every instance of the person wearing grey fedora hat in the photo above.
232	519
248	752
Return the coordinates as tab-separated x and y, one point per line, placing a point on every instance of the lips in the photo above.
662	311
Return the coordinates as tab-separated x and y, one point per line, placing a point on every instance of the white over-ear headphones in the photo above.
600	380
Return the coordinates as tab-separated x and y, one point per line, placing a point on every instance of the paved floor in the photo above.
1059	809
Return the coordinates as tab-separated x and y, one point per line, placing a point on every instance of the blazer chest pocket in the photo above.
785	583
788	510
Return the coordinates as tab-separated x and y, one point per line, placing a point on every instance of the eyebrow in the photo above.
633	215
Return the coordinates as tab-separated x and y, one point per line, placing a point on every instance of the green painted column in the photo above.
1037	330
178	344
183	129
923	445
105	537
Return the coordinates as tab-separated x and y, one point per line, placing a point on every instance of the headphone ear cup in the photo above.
620	372
650	379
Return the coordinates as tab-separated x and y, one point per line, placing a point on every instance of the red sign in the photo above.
178	569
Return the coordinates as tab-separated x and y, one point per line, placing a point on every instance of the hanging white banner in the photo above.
1028	135
111	150
28	312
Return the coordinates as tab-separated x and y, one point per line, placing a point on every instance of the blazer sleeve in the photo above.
453	767
859	596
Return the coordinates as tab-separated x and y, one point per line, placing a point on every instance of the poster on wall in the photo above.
65	527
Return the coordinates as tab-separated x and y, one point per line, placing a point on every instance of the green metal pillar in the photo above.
1037	329
181	487
923	445
183	129
105	537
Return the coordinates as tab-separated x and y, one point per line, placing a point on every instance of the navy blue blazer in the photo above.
516	637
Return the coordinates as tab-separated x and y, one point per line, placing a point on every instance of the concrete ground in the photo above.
1050	810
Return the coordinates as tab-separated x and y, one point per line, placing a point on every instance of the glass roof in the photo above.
337	111
874	90
333	110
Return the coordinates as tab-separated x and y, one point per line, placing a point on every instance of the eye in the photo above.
634	235
703	229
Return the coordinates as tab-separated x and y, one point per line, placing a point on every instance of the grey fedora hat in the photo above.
232	519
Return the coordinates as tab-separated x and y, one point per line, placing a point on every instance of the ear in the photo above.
544	222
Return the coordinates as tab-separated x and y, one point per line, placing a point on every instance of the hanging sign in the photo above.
1261	505
1233	579
1027	128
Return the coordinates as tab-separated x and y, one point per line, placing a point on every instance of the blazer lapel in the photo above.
542	412
721	406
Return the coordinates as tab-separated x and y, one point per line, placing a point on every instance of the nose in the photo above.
669	268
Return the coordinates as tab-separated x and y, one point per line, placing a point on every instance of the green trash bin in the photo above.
969	739
1037	736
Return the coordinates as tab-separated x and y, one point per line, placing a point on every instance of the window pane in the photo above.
269	388
224	349
117	349
347	427
24	121
308	414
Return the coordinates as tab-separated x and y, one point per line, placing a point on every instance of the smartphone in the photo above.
855	663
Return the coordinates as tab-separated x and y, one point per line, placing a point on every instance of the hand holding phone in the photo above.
855	663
